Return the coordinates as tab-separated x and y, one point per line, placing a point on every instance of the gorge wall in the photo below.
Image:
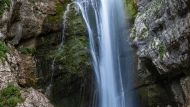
30	37
161	35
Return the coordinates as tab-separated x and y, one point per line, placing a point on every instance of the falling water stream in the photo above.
111	57
110	53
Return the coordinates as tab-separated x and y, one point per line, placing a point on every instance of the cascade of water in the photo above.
106	25
59	48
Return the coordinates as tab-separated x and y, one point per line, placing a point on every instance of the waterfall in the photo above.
110	53
48	89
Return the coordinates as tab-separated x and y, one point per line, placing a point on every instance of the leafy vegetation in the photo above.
10	96
133	34
161	50
28	50
32	1
3	49
131	8
3	6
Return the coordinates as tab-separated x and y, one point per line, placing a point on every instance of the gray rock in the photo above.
164	43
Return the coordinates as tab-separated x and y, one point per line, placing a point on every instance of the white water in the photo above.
106	25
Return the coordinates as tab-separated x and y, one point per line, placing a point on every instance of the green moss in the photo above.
72	60
10	96
60	9
71	68
76	23
4	4
59	12
75	56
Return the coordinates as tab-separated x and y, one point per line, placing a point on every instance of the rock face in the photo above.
27	19
20	24
63	62
32	29
161	38
34	98
11	71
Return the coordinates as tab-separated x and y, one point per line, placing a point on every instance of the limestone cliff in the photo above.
21	22
30	37
161	38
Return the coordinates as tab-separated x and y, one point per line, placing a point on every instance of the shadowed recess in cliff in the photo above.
110	53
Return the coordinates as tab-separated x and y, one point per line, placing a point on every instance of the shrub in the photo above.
28	50
161	50
10	96
13	101
131	8
3	49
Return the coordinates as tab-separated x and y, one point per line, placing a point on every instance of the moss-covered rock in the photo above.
59	13
71	74
71	69
74	56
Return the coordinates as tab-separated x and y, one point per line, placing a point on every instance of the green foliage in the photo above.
161	50
3	49
143	32
3	6
28	50
10	96
32	1
1	105
133	32
131	8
